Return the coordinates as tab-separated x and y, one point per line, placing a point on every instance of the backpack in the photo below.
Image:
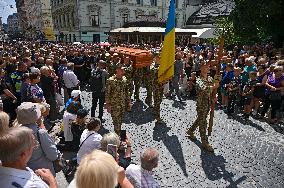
96	80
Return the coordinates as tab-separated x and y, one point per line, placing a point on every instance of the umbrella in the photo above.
105	44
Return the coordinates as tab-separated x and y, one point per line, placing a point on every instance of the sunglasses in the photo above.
279	70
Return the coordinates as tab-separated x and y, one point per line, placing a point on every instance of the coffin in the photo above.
140	58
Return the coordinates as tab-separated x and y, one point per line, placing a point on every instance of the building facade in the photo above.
90	20
203	13
35	19
13	24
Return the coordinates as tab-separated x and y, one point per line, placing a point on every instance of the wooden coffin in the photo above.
140	58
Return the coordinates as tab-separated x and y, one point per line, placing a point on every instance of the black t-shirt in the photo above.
77	131
3	86
47	86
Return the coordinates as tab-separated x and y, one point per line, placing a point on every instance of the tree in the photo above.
258	21
224	26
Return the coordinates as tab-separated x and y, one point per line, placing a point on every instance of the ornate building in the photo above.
35	18
89	20
13	24
203	13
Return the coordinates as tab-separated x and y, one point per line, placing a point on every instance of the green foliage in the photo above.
258	20
224	27
253	21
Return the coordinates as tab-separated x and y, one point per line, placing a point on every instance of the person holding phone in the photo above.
112	142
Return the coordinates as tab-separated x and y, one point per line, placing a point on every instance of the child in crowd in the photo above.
184	86
248	93
234	88
191	84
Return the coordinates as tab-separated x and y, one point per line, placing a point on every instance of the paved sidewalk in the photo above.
247	153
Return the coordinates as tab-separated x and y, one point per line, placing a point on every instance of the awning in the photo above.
204	33
150	30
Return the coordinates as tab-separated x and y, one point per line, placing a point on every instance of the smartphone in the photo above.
123	135
112	150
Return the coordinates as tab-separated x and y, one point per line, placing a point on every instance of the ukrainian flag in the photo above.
166	69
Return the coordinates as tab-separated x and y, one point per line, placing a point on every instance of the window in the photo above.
124	1
125	18
187	2
176	3
95	20
138	2
153	2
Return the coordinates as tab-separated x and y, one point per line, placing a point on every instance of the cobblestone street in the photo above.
247	153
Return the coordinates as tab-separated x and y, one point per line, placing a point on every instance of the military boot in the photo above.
207	147
159	120
191	135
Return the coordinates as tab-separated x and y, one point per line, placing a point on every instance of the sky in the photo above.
5	9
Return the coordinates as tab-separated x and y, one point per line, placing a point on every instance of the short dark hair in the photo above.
34	75
93	123
82	113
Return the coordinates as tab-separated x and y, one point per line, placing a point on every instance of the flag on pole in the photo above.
166	69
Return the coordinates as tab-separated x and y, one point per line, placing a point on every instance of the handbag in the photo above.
59	163
275	95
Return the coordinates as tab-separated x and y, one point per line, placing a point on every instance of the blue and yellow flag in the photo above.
166	69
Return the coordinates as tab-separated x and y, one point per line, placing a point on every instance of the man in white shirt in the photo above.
70	79
16	146
142	176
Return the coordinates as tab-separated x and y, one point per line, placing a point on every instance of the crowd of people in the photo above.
41	84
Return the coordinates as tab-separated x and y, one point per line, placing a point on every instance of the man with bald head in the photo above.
142	176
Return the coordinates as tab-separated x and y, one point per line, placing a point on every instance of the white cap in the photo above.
75	93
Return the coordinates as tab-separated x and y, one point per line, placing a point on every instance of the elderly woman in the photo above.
28	114
123	148
99	170
274	84
4	121
17	145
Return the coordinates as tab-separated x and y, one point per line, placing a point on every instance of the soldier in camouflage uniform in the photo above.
113	63
204	86
116	96
148	80
137	77
158	89
128	74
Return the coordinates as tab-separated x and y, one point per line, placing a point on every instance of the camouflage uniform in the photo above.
158	89
137	77
116	96
130	87
148	80
111	66
202	107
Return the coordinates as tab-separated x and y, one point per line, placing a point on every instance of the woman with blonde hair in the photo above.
99	170
4	121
